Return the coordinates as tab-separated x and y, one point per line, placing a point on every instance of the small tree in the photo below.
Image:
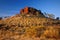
0	18
57	18
49	15
45	14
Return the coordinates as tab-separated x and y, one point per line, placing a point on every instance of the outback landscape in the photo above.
29	24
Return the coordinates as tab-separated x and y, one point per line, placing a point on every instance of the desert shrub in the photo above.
6	28
0	18
20	32
17	30
40	31
8	39
30	31
51	33
6	16
34	31
1	25
56	23
59	31
57	18
20	25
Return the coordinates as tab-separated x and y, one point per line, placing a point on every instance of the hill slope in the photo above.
29	26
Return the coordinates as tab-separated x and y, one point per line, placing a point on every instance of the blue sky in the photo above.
12	7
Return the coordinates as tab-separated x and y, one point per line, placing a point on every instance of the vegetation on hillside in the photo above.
32	27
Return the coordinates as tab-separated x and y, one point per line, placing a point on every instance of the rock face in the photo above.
25	10
31	11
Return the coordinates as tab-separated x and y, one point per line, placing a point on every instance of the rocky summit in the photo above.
31	11
29	24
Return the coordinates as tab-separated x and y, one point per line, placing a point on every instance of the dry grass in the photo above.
29	28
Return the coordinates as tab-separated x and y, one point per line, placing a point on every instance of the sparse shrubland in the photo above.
30	27
22	27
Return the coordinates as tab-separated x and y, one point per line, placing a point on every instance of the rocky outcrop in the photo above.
31	11
25	10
